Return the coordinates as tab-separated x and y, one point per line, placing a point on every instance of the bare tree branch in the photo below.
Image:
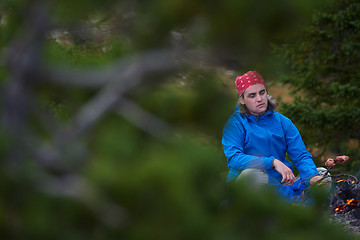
114	73
106	100
144	120
87	77
152	62
26	72
22	59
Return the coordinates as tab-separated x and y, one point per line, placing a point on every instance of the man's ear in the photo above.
242	101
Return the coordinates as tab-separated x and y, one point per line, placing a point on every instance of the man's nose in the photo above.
258	98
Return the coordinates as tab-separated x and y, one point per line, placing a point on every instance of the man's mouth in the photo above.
261	105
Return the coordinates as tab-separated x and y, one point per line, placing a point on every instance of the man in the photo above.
256	140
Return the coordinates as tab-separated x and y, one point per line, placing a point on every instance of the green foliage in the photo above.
58	110
168	190
83	55
324	63
67	11
198	101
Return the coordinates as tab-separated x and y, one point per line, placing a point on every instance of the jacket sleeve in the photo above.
233	144
297	151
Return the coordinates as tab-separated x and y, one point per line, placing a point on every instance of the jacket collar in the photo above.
258	117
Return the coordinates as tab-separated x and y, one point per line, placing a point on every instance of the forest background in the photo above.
112	114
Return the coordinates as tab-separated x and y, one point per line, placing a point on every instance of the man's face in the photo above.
255	99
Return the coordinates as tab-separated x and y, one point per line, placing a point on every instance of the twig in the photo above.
326	175
344	175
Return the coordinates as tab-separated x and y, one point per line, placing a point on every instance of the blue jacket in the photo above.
254	141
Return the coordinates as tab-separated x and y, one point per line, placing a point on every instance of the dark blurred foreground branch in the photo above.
144	120
116	73
111	96
22	59
62	149
155	62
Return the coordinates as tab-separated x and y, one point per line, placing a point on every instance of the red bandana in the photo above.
248	79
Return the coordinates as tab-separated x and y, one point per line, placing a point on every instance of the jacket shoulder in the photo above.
281	117
285	121
236	120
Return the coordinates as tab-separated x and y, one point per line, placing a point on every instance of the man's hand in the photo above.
316	179
286	173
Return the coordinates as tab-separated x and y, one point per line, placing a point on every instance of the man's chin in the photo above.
259	113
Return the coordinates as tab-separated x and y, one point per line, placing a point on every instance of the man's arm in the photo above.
297	151
233	146
288	176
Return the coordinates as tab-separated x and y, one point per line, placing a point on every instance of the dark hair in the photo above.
272	104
